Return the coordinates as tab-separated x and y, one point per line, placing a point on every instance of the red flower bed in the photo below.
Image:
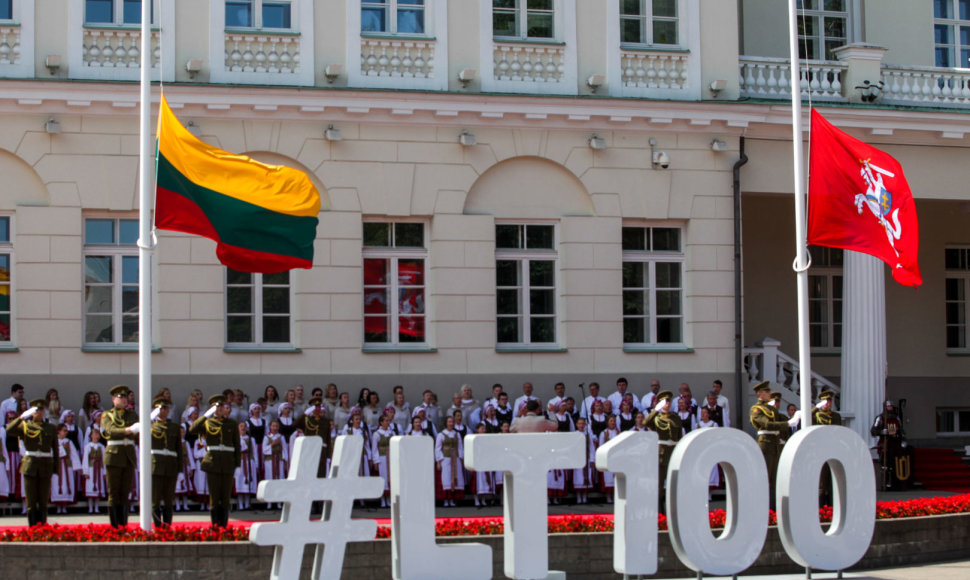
568	524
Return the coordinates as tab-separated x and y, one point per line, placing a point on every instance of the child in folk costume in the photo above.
246	476
356	428
287	423
380	451
201	482
11	463
597	419
66	462
607	479
584	478
556	478
79	441
448	454
92	468
276	455
257	424
483	482
185	480
706	423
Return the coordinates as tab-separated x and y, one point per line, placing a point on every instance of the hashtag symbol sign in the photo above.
298	491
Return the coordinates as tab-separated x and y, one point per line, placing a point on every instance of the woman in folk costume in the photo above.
356	428
448	454
85	414
341	415
287	423
416	427
584	478
402	411
380	451
393	427
185	480
189	416
92	469
688	418
640	422
626	419
246	476
11	460
606	478
491	419
201	482
66	463
462	430
597	419
276	453
79	441
483	482
256	422
706	423
556	478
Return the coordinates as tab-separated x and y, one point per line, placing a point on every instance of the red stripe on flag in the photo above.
244	260
179	213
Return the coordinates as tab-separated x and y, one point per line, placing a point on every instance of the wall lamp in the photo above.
53	63
465	76
594	82
332	134
658	158
193	67
52	126
719	145
332	72
597	142
467	139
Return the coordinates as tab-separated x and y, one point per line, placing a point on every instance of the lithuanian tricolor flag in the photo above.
263	217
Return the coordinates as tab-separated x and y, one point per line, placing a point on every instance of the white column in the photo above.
863	379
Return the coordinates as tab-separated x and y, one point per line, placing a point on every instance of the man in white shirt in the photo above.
553	403
616	398
594	395
16	395
525	398
722	401
647	401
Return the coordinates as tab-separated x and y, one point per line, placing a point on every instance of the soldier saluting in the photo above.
166	461
222	457
119	427
37	465
314	423
770	424
669	430
824	413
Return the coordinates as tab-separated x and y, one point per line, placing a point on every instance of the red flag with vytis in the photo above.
858	199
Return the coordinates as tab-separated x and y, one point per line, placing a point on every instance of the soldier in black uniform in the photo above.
37	466
119	427
166	461
222	457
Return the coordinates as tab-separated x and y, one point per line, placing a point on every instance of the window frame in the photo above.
116	252
391	17
524	258
521	12
960	430
13	11
257	315
257	15
962	275
394	255
821	14
824	268
651	258
7	249
647	31
955	49
118	16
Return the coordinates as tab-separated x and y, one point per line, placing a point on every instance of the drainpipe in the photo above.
738	338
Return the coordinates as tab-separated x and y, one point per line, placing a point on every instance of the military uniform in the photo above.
317	427
37	466
223	456
896	458
120	459
827	416
771	425
166	463
669	429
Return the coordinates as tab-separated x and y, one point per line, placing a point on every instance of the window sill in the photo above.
10	23
9	348
399	36
537	41
674	348
530	348
653	48
107	26
263	31
115	348
377	349
262	349
957	353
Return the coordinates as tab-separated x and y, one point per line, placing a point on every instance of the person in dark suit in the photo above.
222	457
166	461
119	428
37	466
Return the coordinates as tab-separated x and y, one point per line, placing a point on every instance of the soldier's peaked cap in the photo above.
120	391
826	395
161	402
664	396
762	386
39	403
217	399
314	401
776	395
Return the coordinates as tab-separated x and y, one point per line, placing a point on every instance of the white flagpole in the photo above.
145	252
801	252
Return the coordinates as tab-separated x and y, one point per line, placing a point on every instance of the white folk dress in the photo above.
93	468
276	456
62	480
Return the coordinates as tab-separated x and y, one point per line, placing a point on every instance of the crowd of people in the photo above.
269	425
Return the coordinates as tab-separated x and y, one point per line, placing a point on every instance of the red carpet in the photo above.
941	469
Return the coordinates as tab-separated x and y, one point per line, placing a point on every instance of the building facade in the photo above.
512	191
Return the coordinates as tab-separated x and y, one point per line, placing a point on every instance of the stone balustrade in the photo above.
926	86
652	70
116	48
766	362
529	63
9	44
397	57
770	78
262	53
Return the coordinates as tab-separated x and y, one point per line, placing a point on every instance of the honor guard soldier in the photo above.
824	413
166	461
896	458
669	429
37	465
771	424
222	457
313	423
119	427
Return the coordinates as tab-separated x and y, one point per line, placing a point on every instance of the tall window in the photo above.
257	309
6	292
394	283
951	31
822	26
6	9
259	14
523	19
952	421
825	299
957	264
525	280
392	16
648	22
114	11
110	281
653	289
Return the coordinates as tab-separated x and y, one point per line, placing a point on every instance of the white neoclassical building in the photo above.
541	190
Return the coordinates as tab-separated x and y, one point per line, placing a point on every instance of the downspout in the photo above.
739	389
